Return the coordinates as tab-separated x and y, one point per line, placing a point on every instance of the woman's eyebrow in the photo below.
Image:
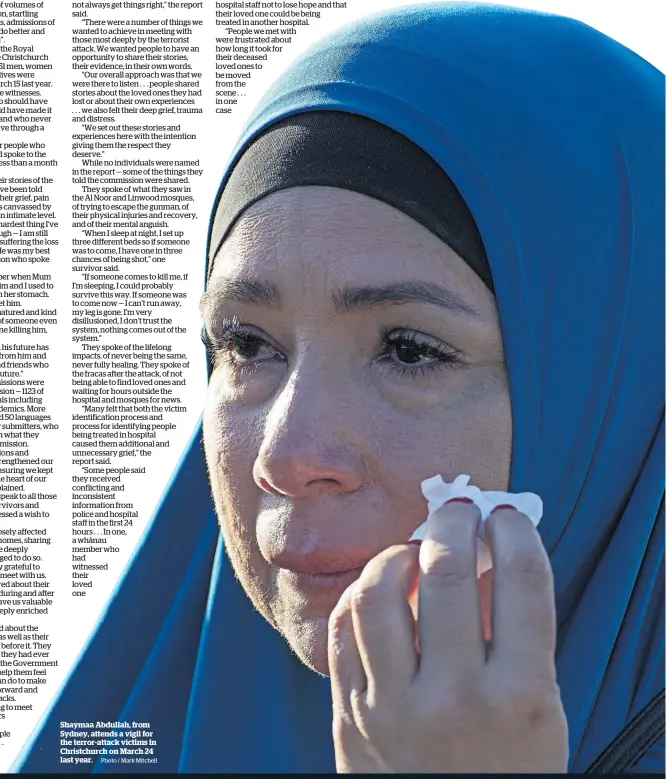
265	293
401	293
242	290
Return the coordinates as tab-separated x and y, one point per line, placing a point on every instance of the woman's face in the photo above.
355	355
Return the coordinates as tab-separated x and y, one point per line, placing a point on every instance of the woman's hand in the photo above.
454	705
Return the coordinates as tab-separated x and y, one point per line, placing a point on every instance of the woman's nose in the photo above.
309	444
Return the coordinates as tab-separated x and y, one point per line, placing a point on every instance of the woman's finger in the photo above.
383	620
523	613
450	628
348	680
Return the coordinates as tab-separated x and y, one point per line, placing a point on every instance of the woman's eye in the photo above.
413	352
409	353
238	348
245	346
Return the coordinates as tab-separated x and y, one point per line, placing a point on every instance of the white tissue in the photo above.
437	492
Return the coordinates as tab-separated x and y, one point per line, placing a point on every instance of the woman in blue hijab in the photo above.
551	137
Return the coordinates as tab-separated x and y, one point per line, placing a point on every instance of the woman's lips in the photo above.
328	586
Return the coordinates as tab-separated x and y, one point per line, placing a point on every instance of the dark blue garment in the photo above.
554	135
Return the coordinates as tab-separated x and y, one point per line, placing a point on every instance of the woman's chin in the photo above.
308	638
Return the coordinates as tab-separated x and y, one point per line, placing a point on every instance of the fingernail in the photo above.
503	506
416	541
459	500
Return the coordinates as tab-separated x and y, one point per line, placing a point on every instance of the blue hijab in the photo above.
554	135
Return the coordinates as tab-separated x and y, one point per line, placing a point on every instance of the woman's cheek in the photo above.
479	428
248	385
231	443
463	426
